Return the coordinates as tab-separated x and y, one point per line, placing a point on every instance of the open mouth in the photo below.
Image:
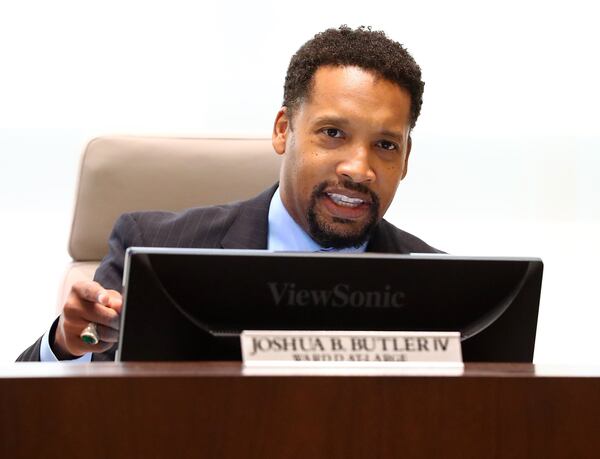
346	201
347	208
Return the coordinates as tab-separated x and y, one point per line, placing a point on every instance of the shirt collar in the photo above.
287	236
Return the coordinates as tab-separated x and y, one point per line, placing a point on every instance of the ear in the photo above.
408	148
280	130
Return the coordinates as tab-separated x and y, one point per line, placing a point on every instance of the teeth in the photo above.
342	200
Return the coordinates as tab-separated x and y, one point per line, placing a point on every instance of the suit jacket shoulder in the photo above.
239	225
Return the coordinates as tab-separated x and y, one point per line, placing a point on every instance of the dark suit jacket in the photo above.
240	225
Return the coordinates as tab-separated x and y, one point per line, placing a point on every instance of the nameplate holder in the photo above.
350	348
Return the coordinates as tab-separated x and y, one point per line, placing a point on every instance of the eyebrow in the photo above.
337	120
340	121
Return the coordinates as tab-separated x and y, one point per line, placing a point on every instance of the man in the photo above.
351	98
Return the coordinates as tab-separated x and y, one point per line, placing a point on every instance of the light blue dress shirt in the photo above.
287	236
284	234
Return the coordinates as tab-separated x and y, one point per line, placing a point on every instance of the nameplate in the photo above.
350	348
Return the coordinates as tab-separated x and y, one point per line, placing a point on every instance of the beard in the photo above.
328	235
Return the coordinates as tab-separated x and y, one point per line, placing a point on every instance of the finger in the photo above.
77	311
94	292
88	290
112	299
99	314
107	334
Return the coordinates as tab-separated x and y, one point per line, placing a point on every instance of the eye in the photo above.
387	145
333	132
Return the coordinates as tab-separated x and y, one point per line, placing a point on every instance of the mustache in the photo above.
319	190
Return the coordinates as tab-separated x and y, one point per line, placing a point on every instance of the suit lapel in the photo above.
250	226
382	241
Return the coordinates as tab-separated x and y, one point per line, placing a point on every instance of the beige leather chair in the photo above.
121	174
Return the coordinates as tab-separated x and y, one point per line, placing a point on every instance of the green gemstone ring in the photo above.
89	334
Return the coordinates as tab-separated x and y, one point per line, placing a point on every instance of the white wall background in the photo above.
506	154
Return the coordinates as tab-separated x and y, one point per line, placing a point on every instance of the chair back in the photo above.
123	174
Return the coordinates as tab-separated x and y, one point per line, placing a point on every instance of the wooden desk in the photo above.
215	410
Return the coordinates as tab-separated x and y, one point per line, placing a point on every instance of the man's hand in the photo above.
87	302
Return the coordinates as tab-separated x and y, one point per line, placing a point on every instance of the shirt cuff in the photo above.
46	354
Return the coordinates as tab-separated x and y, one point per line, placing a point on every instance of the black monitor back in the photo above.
191	304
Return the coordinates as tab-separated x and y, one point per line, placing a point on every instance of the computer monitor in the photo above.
192	304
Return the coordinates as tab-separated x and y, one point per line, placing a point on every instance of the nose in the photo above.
355	165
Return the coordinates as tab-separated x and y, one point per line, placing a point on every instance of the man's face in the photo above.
345	152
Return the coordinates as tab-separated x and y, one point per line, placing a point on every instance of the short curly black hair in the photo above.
361	47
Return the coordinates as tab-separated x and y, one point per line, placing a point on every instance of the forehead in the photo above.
359	94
